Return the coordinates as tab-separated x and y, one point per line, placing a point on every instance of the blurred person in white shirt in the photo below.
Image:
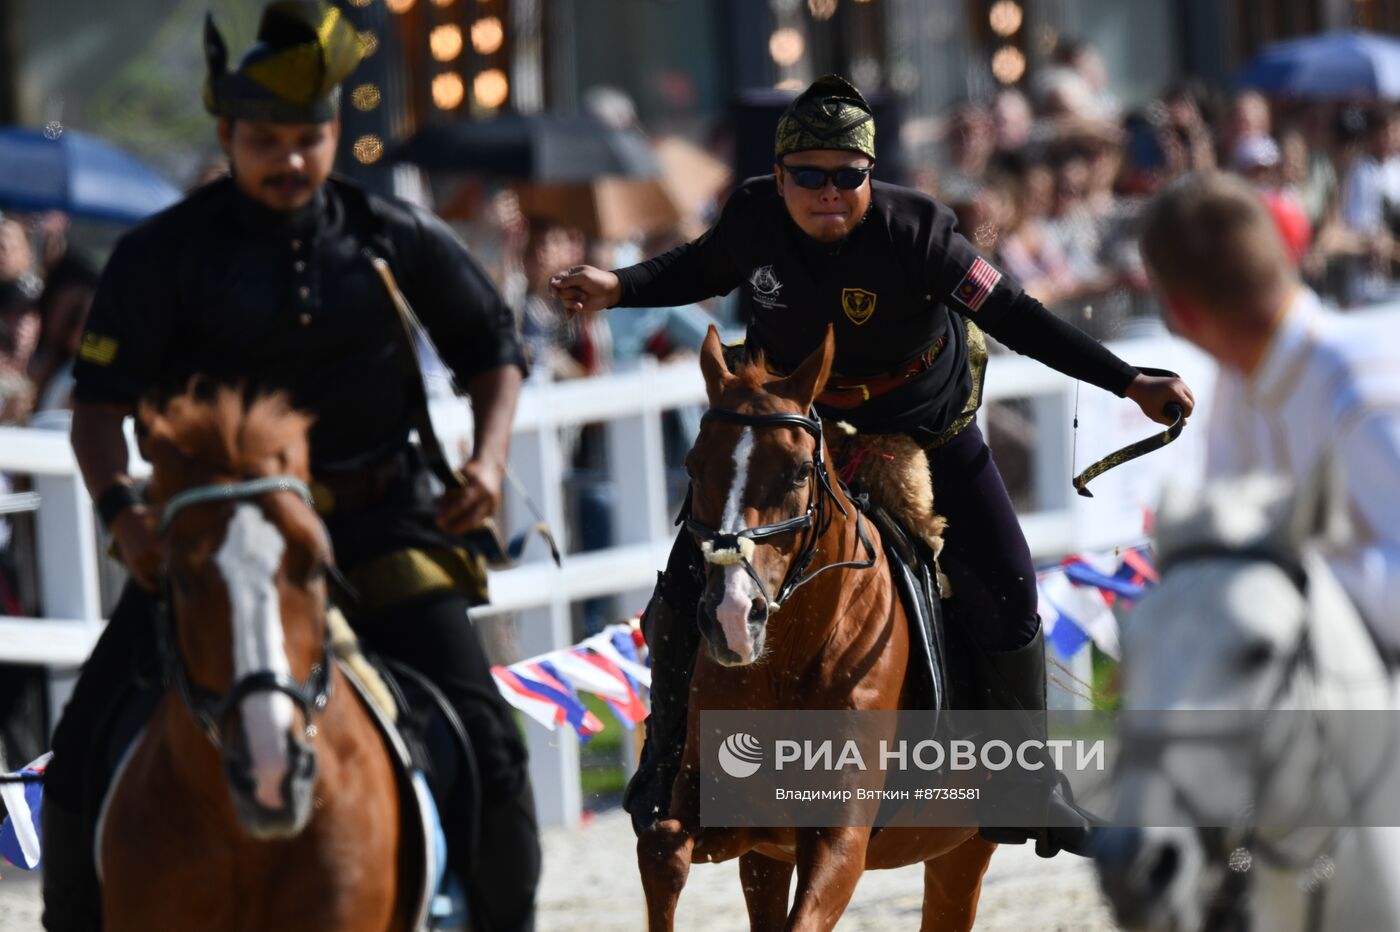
1296	382
1371	200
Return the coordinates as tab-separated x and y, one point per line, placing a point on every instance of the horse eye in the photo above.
1257	654
804	472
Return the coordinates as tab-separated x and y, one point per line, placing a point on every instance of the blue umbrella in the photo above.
77	174
1334	64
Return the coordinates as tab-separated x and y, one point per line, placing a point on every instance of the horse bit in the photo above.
723	548
211	710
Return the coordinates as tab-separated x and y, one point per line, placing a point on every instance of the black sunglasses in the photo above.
814	179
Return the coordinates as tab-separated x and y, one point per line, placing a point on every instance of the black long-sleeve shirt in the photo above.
220	285
895	286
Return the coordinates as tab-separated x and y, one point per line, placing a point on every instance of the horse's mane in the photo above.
217	430
753	374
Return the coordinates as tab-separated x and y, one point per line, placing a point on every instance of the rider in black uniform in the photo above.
263	279
820	243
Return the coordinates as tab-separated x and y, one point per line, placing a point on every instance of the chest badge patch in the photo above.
858	304
766	286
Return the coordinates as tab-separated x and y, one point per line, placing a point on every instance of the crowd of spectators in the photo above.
1049	183
46	288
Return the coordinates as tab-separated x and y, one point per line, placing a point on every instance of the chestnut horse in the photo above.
260	795
795	578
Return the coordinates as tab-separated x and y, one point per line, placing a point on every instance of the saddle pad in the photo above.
419	814
911	566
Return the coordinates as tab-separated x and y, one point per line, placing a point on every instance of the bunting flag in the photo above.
1076	601
24	803
1111	585
1073	614
545	711
623	699
543	680
1076	597
574	668
608	664
1137	566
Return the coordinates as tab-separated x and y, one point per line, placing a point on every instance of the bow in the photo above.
1133	450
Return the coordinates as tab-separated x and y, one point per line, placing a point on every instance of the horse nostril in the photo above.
758	612
1164	867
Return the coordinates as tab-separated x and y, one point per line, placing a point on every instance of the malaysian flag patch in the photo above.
977	284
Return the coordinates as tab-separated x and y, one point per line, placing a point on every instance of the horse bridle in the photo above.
1228	912
211	710
726	546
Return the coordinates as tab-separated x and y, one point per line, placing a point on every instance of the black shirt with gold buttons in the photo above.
895	288
223	286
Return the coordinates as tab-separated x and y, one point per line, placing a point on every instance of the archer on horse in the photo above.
825	625
819	243
265	279
211	822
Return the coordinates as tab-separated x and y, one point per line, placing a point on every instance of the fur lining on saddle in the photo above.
893	470
346	648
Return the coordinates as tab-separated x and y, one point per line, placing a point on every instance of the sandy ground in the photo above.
591	885
19	899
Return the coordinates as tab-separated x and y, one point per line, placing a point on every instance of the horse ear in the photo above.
1318	511
155	440
712	365
806	383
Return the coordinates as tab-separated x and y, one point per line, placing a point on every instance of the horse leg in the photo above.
663	856
767	883
829	864
953	885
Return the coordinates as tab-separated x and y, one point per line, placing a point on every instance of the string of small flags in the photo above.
1077	597
609	664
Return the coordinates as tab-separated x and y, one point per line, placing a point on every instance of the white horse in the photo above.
1249	617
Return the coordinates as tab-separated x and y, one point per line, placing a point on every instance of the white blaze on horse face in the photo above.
732	613
249	557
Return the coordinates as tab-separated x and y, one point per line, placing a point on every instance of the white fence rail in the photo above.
631	404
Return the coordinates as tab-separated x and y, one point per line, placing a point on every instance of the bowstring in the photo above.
1087	312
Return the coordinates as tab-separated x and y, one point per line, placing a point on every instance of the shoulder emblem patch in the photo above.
976	287
97	349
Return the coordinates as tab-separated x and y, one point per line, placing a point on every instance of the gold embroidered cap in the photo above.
292	74
831	114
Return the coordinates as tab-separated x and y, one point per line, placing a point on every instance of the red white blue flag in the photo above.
977	284
23	796
544	680
623	697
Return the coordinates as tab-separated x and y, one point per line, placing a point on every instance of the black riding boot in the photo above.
672	639
1015	680
72	894
506	872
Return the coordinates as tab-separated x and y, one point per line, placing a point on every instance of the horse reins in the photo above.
210	709
727	546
